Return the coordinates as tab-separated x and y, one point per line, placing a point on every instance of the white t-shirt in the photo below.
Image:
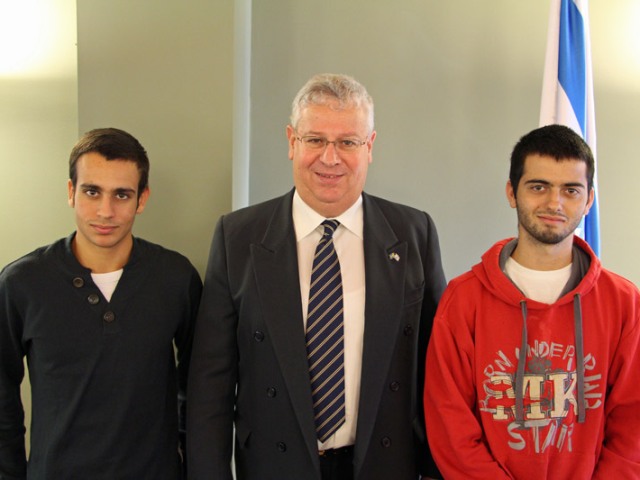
107	282
540	285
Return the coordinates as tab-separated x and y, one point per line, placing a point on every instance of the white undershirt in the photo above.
543	286
350	249
107	282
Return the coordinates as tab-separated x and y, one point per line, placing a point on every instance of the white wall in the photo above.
455	84
38	122
163	71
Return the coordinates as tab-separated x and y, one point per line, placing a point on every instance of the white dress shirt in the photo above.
349	246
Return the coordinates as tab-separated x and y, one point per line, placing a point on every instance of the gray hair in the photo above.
324	88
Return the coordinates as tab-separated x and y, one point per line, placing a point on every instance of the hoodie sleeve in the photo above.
454	431
620	456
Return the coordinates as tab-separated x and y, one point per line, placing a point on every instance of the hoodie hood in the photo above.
585	271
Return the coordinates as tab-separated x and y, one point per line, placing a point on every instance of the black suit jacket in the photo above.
249	363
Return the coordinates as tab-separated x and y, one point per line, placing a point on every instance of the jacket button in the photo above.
78	282
271	392
93	299
394	386
385	442
258	336
408	330
109	317
281	446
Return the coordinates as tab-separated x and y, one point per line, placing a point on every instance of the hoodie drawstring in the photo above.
522	360
577	318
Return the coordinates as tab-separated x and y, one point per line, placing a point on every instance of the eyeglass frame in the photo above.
336	143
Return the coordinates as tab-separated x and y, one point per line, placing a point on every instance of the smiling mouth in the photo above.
328	175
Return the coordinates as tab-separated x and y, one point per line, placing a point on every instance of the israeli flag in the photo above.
567	90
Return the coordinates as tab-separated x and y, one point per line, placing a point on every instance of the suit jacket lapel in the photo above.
275	264
385	263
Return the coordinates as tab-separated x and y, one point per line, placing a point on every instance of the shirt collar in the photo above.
306	219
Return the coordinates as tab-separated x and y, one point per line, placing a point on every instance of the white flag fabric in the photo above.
567	89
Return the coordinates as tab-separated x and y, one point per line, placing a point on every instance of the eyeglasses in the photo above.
320	143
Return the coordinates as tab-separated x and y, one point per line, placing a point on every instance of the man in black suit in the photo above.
254	359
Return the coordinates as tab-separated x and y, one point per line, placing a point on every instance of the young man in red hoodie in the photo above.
533	360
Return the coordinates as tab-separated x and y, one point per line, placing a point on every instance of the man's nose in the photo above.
554	200
105	208
330	155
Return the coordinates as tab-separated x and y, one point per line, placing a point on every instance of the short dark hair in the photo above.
556	141
112	144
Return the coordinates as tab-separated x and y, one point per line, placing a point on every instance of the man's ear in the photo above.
70	193
370	141
592	198
291	137
142	200
511	194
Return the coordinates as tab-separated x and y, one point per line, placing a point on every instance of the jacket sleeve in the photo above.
434	285
213	372
13	463
454	432
620	455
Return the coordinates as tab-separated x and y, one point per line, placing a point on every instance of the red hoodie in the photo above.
477	428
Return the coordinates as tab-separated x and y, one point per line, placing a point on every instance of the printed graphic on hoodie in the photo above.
550	404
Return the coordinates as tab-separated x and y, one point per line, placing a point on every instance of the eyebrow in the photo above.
314	133
547	182
91	186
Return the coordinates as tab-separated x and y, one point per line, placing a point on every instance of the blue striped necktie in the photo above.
325	336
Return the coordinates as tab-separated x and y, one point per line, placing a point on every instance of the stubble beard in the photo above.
542	235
